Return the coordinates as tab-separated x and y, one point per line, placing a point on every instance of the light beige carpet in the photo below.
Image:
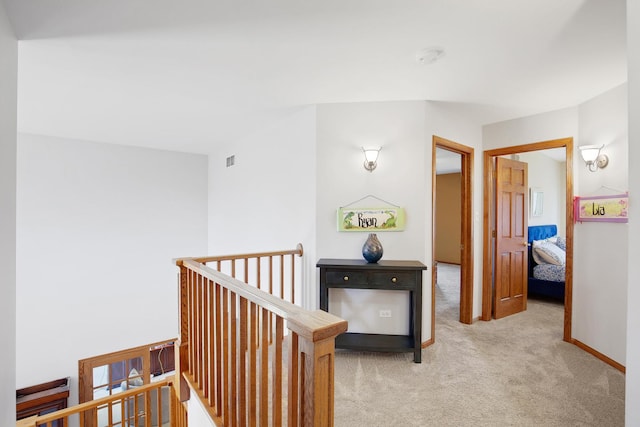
515	371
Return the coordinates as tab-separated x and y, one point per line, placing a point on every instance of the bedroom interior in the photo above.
321	138
547	261
448	215
447	230
554	176
546	173
452	194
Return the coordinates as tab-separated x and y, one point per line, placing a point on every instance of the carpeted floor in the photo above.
515	371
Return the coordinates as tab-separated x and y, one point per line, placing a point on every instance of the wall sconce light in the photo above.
370	158
592	157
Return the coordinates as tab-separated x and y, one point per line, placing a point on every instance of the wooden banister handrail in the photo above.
235	352
312	325
205	259
274	304
91	405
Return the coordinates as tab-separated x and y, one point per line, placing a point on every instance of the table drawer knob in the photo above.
394	279
345	278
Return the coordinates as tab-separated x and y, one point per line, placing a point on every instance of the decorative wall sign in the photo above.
602	208
371	219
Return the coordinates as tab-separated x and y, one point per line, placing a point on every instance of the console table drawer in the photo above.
393	279
347	278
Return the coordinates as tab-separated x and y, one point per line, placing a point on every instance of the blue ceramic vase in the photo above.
372	249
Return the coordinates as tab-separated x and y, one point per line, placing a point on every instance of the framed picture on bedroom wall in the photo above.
536	201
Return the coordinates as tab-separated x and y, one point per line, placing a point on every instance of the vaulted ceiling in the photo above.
187	75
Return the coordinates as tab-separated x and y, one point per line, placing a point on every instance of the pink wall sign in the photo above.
602	208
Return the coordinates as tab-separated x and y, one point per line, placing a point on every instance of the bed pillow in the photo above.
548	253
537	258
561	242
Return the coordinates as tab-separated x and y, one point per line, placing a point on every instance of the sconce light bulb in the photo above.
593	158
370	158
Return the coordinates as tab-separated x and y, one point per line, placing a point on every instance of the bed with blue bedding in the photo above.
546	262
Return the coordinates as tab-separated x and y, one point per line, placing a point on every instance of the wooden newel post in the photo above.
317	382
182	348
316	353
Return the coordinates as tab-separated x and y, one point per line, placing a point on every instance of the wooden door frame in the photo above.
466	236
489	177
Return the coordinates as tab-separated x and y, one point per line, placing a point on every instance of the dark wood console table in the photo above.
385	275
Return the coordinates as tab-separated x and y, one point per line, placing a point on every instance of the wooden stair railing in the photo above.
232	350
273	272
132	407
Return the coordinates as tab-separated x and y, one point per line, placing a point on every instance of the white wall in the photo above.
8	102
397	127
294	175
404	130
600	249
459	123
400	178
98	226
198	415
604	120
540	127
548	175
266	201
633	295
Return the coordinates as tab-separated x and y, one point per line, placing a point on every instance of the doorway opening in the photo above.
489	221
465	240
